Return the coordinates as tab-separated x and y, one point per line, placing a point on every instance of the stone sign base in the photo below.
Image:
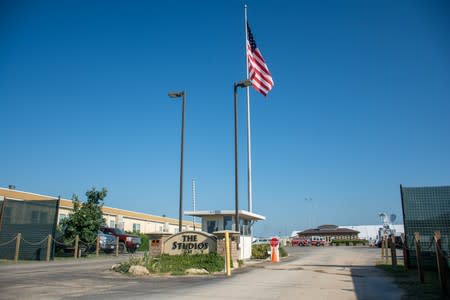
193	242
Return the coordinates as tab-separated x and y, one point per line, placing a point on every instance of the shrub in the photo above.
133	261
283	252
144	242
347	242
260	251
179	263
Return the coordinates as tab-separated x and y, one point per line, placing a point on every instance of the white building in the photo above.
114	217
218	220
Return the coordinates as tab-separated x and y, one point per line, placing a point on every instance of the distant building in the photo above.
329	232
114	217
294	233
371	232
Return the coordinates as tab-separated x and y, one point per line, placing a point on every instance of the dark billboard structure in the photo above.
34	220
426	210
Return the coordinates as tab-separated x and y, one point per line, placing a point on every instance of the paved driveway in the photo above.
309	273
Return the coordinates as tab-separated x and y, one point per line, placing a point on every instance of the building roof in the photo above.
327	229
65	203
242	214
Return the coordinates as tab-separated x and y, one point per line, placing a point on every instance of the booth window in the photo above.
245	228
211	226
227	223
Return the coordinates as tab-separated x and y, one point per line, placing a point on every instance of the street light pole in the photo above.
181	94
242	84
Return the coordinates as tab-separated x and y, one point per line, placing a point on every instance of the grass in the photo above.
409	282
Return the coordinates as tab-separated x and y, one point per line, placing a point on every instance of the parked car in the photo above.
107	242
317	241
259	241
398	243
127	242
67	249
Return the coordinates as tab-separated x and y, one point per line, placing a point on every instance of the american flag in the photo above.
259	74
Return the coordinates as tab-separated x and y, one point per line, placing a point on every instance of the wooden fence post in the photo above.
117	246
393	251
49	246
386	252
75	251
440	263
16	253
405	253
382	248
419	257
97	247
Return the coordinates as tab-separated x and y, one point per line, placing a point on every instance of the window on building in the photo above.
160	229
227	223
136	227
61	217
121	225
112	224
44	217
211	226
245	227
34	217
7	215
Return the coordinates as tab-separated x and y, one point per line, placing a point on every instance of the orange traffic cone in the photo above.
274	254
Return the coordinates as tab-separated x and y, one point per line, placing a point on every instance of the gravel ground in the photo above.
308	273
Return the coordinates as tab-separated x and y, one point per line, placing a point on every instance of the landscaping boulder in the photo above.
138	270
193	271
115	267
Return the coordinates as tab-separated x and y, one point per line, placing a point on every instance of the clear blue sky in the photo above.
360	104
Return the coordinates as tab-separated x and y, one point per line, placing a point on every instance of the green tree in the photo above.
87	218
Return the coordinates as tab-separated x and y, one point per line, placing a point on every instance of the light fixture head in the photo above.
176	94
244	83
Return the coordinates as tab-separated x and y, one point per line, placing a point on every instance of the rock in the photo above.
115	267
193	271
138	270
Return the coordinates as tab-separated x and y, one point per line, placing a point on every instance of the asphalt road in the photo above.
308	273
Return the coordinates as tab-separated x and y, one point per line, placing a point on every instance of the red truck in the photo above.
299	242
126	241
317	241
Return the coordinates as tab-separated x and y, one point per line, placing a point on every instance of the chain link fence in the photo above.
35	220
426	210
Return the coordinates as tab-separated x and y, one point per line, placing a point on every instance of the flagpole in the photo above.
249	142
